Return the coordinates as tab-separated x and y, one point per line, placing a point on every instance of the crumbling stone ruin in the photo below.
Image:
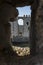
21	30
8	12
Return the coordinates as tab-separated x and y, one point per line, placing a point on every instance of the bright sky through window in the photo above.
20	22
24	11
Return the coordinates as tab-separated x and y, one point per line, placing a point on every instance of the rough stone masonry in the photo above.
8	12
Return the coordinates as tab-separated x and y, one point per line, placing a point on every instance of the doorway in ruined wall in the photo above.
20	30
20	27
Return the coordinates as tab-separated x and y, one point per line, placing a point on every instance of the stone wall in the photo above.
33	34
22	30
39	26
8	58
7	12
37	34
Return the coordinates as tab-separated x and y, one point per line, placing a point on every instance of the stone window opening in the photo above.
20	22
35	58
27	23
23	33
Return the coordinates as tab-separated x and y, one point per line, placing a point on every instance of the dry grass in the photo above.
21	51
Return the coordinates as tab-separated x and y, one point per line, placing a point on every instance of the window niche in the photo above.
20	22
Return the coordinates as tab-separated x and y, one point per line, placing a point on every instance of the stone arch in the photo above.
33	18
34	30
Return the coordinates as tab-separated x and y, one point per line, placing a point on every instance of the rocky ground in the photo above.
22	49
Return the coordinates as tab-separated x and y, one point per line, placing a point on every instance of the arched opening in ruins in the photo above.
10	6
20	30
8	13
20	22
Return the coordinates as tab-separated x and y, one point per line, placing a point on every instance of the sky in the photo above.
20	22
23	11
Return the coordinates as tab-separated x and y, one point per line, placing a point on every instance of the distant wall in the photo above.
22	30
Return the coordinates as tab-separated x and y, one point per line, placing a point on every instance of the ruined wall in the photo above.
36	36
33	34
36	31
7	12
22	30
39	26
4	35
